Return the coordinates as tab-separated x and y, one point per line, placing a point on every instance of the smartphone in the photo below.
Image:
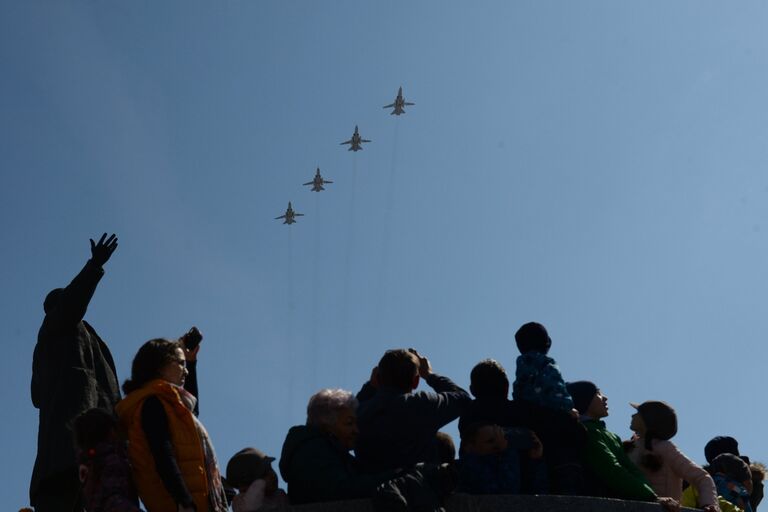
192	338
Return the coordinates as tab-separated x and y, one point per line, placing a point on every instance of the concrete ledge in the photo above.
504	503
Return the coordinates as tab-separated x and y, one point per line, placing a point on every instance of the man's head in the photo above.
52	299
489	380
334	411
399	369
533	337
588	399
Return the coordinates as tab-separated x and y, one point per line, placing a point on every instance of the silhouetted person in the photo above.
72	371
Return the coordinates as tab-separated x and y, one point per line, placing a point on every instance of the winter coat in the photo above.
317	468
675	467
538	380
186	443
610	471
397	430
106	478
72	371
690	499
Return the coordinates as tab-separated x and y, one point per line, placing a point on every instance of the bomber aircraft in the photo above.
317	182
398	104
289	215
355	142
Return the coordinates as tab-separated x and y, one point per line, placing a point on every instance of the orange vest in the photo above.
186	441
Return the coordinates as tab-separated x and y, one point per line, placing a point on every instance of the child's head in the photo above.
446	450
734	468
533	337
399	369
248	465
654	419
588	399
484	438
489	380
92	427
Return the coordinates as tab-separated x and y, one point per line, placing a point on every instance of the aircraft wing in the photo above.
407	103
347	142
298	214
280	217
389	106
327	181
309	183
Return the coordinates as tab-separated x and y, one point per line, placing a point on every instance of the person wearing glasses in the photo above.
173	461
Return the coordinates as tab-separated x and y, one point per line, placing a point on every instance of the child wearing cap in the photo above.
250	471
538	379
665	467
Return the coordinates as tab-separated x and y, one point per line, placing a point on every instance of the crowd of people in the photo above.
99	450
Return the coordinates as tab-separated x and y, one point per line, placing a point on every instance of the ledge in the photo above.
504	503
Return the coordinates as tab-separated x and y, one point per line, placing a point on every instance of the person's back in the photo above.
397	426
537	378
71	359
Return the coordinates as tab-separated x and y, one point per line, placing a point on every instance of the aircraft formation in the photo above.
355	144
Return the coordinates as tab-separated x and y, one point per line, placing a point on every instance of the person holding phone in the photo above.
173	461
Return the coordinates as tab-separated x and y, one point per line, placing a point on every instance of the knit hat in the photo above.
533	337
720	444
247	465
731	466
659	418
582	393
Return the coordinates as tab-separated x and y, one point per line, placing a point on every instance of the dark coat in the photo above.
397	430
317	468
72	371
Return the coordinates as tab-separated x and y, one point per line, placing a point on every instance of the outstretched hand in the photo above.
102	251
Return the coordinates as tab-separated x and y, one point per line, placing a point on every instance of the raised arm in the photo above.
68	306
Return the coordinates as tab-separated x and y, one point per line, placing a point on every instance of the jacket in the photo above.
397	429
610	472
538	380
676	467
72	371
186	442
317	468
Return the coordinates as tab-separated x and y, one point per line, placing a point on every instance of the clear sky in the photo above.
597	166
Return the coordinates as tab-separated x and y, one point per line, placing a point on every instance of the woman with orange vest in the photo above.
172	458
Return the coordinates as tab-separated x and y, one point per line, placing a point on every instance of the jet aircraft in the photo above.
398	104
289	215
355	142
317	182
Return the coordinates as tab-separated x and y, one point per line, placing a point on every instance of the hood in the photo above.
297	437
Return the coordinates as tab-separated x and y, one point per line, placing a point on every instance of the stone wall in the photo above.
467	503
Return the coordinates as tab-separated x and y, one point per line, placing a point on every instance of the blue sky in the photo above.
597	166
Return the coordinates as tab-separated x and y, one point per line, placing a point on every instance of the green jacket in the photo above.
317	468
612	473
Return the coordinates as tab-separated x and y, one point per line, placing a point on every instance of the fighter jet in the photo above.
318	182
355	142
289	215
398	104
